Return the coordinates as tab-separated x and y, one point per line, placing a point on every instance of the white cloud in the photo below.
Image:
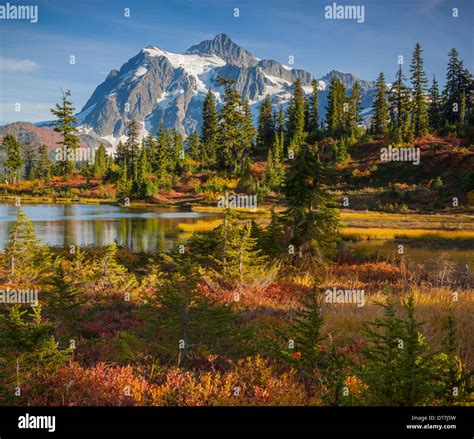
17	65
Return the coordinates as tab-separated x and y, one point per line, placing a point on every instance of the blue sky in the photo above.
34	58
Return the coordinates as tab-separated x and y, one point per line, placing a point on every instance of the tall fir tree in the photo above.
266	127
42	167
296	117
335	107
100	161
236	132
121	155
14	159
161	155
30	157
435	106
458	79
209	134
354	108
65	124
313	111
311	219
132	147
194	148
400	108
419	83
380	119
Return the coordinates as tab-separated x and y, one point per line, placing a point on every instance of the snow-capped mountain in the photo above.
157	85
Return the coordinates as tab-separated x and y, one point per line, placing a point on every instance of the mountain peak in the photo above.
348	79
222	37
222	46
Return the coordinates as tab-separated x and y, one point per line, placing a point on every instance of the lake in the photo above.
146	229
152	229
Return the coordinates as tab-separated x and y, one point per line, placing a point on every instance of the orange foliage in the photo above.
252	381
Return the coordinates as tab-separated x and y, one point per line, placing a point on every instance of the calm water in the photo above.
151	229
139	229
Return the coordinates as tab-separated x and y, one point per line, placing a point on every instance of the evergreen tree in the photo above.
110	277
281	127
249	132
397	369
462	108
380	119
311	219
29	157
190	322
307	114
419	82
209	134
14	161
296	117
455	381
150	145
65	125
28	352
176	152
161	155
275	168
313	111
435	109
42	167
25	257
241	258
341	150
141	185
400	108
124	184
355	104
320	362
335	107
66	294
100	161
266	127
194	147
273	239
132	147
121	155
236	131
458	79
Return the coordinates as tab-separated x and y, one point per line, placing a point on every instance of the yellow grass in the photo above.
214	209
436	221
433	305
387	233
199	226
55	200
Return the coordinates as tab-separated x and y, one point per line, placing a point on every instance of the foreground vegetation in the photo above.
228	324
